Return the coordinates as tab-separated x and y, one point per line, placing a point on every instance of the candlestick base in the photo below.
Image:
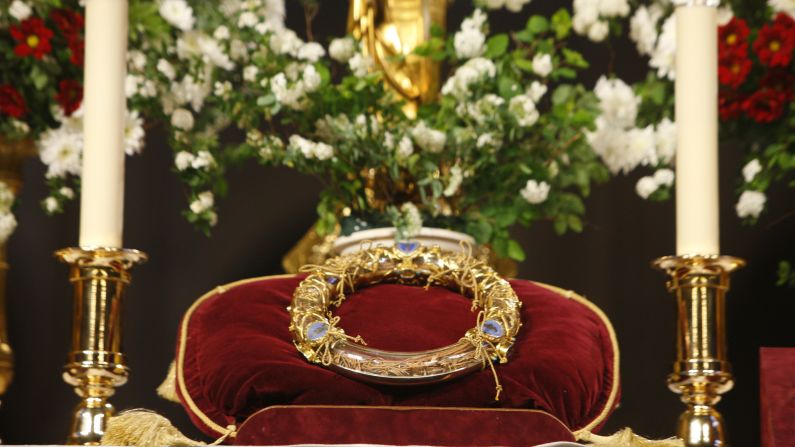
701	372
96	366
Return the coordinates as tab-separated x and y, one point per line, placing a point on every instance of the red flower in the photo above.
70	23
765	106
11	102
780	81
76	49
70	95
733	38
33	38
730	105
776	41
732	71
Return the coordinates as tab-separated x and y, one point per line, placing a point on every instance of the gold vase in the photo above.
13	153
96	365
701	372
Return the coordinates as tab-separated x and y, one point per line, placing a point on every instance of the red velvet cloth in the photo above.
280	425
777	396
239	357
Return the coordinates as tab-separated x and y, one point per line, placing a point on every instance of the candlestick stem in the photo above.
96	365
701	372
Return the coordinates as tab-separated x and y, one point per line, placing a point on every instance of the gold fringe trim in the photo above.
168	389
625	438
144	428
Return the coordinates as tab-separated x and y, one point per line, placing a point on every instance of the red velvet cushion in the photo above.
280	425
235	354
777	396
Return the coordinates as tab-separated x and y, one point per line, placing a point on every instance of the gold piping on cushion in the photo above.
168	389
616	354
188	400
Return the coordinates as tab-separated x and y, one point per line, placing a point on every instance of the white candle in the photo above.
102	197
697	226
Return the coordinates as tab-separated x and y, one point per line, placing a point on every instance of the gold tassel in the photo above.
144	428
168	389
625	438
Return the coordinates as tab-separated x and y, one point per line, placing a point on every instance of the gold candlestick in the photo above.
96	365
701	372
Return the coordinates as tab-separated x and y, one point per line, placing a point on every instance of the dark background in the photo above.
268	210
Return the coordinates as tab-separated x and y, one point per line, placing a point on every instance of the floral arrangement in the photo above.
504	144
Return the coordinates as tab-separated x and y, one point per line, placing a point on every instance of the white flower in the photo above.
618	102
664	177
136	59
311	51
203	160
311	149
183	160
751	203
221	33
360	64
66	192
665	138
61	150
536	91
182	119
473	71
51	205
250	73
165	67
341	50
428	139
620	150
133	133
191	91
8	223
613	8
535	192
542	64
646	186
786	6
131	85
524	110
213	53
285	42
204	202
469	43
247	20
289	96
6	197
222	89
310	78
640	148
515	5
405	147
663	58
475	21
725	15
750	170
412	220
19	10
643	30
177	13
454	183
598	31
488	140
20	126
238	50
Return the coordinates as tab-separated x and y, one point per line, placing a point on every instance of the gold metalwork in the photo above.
12	156
702	372
320	340
96	365
390	30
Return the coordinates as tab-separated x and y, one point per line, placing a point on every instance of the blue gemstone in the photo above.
407	247
492	328
332	280
317	330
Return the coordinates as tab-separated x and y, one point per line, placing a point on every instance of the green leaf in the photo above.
480	229
39	77
574	58
537	24
496	46
524	65
507	87
562	94
524	36
575	223
567	73
515	251
561	23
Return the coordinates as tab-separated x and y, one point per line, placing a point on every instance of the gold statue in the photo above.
389	31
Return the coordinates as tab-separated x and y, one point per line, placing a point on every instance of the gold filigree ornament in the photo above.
317	335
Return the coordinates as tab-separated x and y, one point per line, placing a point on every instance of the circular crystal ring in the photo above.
318	337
